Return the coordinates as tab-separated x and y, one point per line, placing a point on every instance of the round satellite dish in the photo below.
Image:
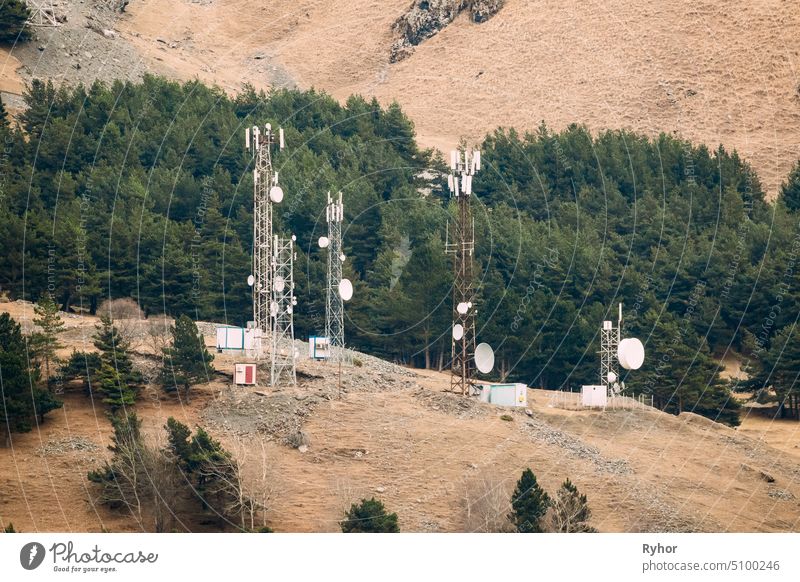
630	353
289	310
294	238
612	377
276	194
280	284
458	331
462	308
324	242
484	358
251	280
294	301
342	258
345	289
273	309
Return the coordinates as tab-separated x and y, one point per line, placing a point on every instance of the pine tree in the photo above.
14	15
45	342
529	504
20	398
187	361
111	383
790	190
83	365
217	479
570	510
781	369
114	350
370	516
117	380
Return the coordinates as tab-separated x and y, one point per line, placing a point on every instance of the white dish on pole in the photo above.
251	280
630	353
324	242
345	289
280	284
462	308
484	358
276	194
458	331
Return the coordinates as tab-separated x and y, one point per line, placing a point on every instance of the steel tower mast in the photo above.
282	311
265	192
463	167
334	305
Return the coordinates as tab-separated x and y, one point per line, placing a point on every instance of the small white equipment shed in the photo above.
505	394
319	348
230	338
594	396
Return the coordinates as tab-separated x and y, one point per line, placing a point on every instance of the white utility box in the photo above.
244	374
230	338
594	396
505	394
319	348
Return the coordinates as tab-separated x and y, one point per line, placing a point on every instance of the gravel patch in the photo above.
538	430
451	404
279	417
60	446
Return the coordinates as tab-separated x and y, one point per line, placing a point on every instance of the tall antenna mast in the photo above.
463	166
282	311
265	192
334	303
609	343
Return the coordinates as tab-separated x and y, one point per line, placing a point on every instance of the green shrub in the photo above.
370	516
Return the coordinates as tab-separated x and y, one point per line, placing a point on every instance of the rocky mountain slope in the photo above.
721	71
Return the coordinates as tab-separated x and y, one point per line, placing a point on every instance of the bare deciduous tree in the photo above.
128	318
570	511
487	504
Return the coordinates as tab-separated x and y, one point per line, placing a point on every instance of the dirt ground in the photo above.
395	434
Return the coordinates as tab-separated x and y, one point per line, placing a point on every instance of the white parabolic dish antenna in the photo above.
324	242
458	331
630	353
345	289
612	377
251	280
276	194
484	358
273	309
280	284
462	308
